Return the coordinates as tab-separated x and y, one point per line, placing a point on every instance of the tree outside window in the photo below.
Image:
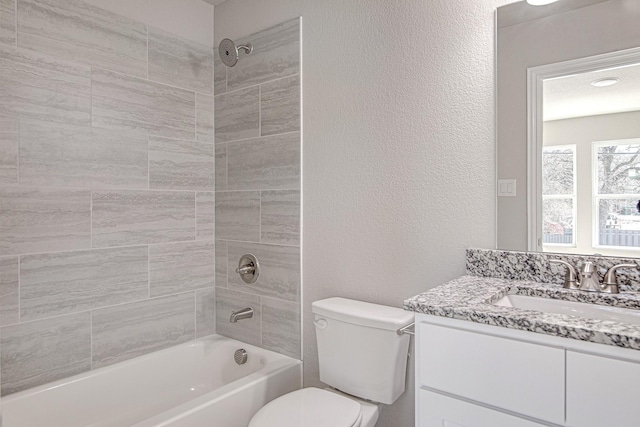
558	194
616	193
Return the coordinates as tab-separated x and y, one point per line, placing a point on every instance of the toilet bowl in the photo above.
315	407
362	357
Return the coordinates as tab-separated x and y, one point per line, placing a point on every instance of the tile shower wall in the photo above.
257	204
106	190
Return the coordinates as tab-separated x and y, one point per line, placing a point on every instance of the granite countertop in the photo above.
471	298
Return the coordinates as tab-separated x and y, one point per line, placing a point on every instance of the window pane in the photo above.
557	170
557	226
619	169
618	223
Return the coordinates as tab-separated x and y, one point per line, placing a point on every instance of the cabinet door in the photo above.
602	391
437	410
520	377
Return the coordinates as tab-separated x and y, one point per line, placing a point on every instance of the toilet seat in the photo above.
309	407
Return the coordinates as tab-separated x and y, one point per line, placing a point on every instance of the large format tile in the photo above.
80	156
179	62
221	167
68	282
78	31
205	215
43	87
205	125
129	330
246	330
281	326
238	215
8	158
8	124
276	53
8	22
279	270
280	217
180	267
180	165
205	312
269	163
237	115
121	102
219	73
9	291
42	351
44	220
123	218
280	106
221	263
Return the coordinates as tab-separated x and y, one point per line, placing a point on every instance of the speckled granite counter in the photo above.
471	298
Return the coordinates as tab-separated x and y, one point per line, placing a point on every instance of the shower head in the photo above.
228	52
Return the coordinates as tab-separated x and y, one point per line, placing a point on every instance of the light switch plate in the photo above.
506	188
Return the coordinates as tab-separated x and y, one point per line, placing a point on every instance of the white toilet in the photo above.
361	356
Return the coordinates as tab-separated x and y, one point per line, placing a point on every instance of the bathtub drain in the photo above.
240	356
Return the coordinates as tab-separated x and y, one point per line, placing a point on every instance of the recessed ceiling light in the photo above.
540	2
607	81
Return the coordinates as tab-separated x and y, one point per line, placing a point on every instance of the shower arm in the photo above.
248	48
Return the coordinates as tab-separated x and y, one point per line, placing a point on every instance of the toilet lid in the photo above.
308	407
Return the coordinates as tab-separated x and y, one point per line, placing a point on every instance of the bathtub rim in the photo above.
271	357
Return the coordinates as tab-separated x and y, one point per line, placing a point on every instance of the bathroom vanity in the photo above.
488	359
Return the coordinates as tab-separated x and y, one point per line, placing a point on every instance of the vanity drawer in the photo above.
437	410
517	376
602	391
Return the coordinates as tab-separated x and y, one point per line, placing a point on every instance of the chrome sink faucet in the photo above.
587	280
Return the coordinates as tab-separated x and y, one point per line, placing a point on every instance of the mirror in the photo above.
542	52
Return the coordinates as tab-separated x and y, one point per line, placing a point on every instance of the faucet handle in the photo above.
570	280
610	281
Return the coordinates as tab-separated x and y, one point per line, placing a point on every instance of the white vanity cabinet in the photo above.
474	375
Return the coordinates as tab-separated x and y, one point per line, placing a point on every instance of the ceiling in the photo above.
573	96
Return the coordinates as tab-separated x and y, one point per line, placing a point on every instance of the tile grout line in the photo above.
227	91
107	307
257	137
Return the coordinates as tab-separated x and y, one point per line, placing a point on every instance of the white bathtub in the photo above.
194	384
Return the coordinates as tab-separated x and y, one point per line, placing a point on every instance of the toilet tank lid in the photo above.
363	313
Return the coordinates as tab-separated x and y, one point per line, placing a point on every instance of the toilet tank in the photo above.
359	349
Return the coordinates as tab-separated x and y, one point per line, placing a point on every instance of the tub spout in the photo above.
245	313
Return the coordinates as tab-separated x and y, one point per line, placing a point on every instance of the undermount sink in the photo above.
589	311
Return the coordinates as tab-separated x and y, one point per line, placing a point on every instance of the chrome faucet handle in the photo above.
610	282
247	269
570	279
